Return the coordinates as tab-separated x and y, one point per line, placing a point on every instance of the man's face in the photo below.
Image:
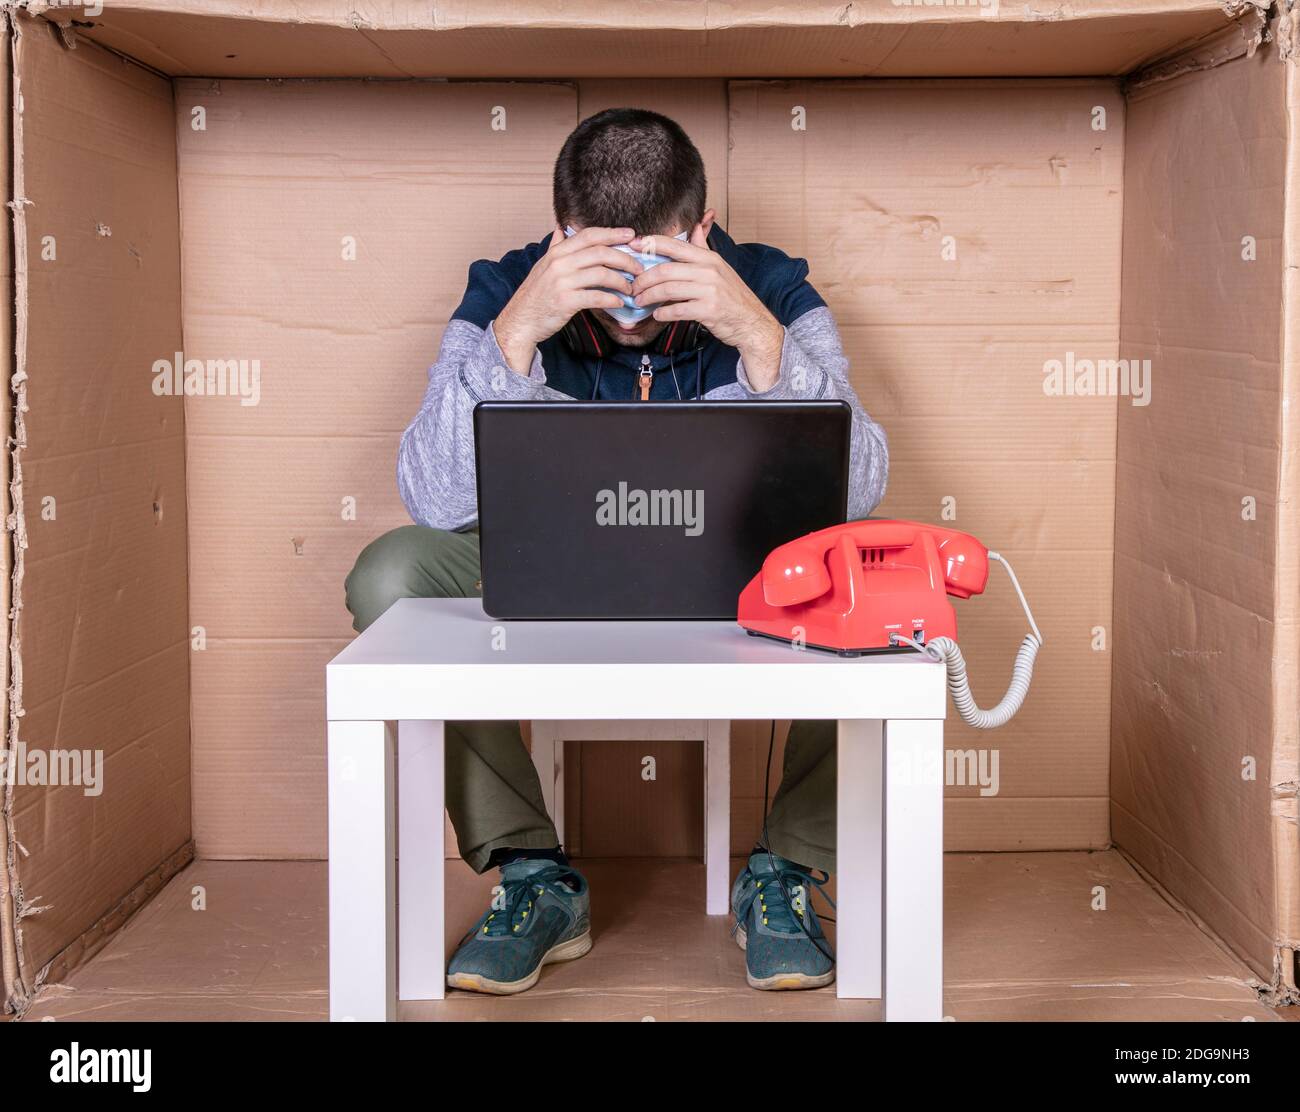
644	332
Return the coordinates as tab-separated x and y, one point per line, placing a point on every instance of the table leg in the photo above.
717	817
858	859
421	776
913	834
548	759
362	921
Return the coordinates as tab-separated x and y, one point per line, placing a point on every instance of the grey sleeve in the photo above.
813	365
435	461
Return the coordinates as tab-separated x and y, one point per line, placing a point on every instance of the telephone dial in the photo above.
882	586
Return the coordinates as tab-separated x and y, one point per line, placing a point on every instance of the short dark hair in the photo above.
629	168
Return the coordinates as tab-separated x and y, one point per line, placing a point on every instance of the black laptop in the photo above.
654	510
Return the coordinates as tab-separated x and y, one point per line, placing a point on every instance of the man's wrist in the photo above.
517	349
762	355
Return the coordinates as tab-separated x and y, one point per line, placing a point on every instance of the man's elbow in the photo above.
422	509
874	475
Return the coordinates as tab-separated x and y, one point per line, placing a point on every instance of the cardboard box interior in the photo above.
178	562
1141	961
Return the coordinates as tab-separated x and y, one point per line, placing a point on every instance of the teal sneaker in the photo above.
779	954
540	913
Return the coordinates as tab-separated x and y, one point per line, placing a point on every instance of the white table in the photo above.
429	661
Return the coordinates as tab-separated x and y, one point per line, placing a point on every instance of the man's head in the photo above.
627	167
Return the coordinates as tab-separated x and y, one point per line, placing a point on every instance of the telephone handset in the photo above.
882	586
798	572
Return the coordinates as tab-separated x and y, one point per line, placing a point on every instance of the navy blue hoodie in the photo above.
435	461
780	282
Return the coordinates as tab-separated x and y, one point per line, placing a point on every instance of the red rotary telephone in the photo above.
851	588
877	586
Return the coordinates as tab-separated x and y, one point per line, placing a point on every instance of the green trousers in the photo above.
493	795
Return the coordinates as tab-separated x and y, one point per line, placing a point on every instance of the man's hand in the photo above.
567	278
699	285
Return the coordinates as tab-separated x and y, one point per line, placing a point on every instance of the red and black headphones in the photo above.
584	336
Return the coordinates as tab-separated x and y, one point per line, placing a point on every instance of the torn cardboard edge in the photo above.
1287	30
1276	994
1238	40
98	935
1285	766
6	405
12	901
595	15
8	957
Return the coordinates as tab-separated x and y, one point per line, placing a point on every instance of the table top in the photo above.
445	658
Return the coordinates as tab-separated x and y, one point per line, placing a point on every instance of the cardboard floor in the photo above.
1023	943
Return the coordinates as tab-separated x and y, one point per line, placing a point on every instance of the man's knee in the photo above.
412	561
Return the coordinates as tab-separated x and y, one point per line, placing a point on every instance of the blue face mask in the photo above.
631	312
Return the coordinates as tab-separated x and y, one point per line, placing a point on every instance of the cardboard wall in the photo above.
965	233
8	941
1196	518
268	481
284	494
279	180
100	596
508	39
1285	772
278	174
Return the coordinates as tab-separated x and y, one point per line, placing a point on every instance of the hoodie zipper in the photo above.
646	378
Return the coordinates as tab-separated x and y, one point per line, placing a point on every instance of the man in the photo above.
632	179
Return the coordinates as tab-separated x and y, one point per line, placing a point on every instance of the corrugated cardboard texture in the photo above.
948	355
267	482
1192	722
627	814
285	493
594	38
8	339
1022	941
1286	617
102	625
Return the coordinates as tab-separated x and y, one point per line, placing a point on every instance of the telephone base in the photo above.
851	653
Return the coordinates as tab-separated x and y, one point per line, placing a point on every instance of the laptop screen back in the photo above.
654	510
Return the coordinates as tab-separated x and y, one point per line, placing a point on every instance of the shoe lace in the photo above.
786	914
513	900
